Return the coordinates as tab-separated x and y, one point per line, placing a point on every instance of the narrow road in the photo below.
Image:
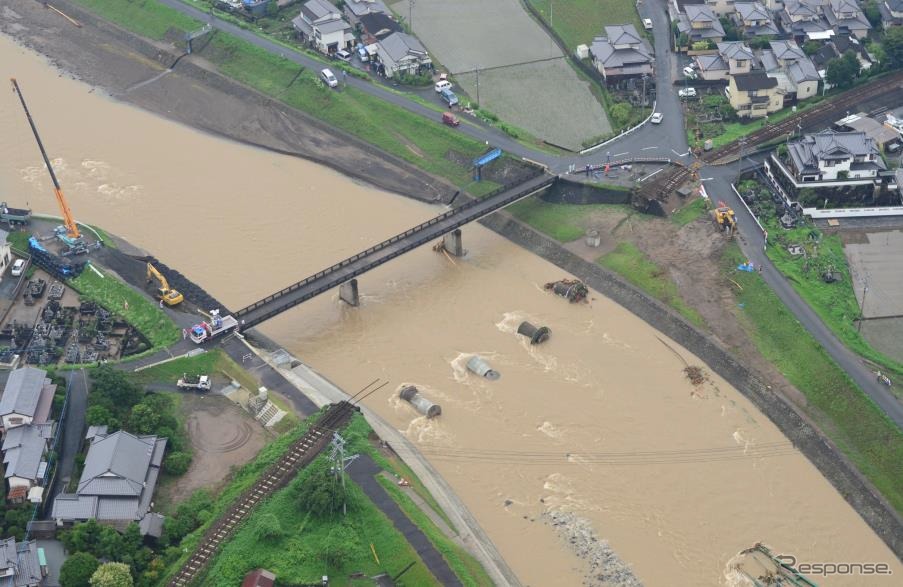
752	243
73	431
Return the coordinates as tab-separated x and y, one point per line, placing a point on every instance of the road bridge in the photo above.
344	271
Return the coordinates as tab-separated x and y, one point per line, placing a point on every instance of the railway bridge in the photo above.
342	274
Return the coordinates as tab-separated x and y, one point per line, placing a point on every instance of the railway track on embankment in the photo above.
299	455
664	185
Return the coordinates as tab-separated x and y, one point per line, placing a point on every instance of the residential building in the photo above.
754	20
835	48
884	135
891	12
117	483
355	9
832	156
321	26
6	256
754	94
733	57
846	18
377	26
26	399
700	23
400	53
804	20
622	53
25	460
259	578
795	73
21	565
721	7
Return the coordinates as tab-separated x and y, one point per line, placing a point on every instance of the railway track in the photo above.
668	181
300	454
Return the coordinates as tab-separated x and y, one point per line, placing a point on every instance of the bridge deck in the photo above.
385	251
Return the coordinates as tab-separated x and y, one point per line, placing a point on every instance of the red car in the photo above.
450	119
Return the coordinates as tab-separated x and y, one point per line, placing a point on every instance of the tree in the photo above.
842	71
100	416
82	537
893	46
114	390
620	114
872	13
78	569
177	463
730	29
112	575
811	47
318	491
144	420
683	40
268	528
339	545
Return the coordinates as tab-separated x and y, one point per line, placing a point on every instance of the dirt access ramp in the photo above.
524	77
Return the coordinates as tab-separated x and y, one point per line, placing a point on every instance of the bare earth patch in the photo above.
222	436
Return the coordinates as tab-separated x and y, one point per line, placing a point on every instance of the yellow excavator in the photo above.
169	296
724	219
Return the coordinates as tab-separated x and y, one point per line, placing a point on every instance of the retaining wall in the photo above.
566	191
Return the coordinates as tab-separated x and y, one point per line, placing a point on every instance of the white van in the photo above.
18	267
647	24
328	78
443	84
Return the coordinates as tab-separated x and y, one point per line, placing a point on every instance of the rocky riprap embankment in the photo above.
606	569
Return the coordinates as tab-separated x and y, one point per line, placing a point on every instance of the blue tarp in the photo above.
748	267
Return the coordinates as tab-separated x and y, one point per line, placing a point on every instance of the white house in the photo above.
321	25
6	256
400	53
797	76
845	16
26	398
733	57
831	156
622	53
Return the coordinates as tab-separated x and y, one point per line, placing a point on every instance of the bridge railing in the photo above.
386	243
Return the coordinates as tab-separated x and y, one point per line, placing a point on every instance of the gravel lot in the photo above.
545	98
522	83
877	263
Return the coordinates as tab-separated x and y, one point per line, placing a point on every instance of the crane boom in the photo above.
71	227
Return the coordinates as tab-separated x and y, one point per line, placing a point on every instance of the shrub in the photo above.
177	463
78	569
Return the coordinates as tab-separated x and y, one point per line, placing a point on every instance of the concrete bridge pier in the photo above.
454	243
348	293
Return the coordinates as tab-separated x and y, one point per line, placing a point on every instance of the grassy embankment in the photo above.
845	414
214	361
293	555
391	128
633	265
835	303
568	222
689	212
141	312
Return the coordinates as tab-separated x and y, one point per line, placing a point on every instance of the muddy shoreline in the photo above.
107	57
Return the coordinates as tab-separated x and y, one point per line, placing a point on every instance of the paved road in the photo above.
363	471
752	242
73	431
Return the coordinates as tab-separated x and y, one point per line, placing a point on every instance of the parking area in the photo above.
524	77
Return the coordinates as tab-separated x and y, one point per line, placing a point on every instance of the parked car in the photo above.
363	54
343	55
687	93
450	119
18	267
647	24
689	72
443	85
328	78
656	118
449	96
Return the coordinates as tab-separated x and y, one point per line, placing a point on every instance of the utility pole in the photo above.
865	291
411	14
478	85
339	463
742	143
645	77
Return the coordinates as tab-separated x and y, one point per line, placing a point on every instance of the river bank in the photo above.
424	266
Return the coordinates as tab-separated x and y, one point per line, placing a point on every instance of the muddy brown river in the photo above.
600	420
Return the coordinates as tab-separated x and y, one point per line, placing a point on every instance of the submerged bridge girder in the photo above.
347	270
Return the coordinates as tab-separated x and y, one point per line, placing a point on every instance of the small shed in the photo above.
259	578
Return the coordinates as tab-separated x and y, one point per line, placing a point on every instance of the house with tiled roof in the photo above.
321	25
795	73
22	564
25	460
733	57
804	20
27	398
846	18
355	9
754	20
622	53
700	23
117	483
754	94
891	12
831	156
401	53
835	48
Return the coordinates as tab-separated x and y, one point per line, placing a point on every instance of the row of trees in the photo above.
91	542
83	570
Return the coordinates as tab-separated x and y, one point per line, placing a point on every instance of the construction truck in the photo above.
14	216
169	296
197	382
724	219
216	326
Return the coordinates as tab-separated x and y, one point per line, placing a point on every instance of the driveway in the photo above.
73	432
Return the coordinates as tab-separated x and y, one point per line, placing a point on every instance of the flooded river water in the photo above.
600	420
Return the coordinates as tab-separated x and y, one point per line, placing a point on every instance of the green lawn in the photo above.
18	240
736	130
142	313
145	17
689	212
578	21
841	410
388	127
562	222
633	265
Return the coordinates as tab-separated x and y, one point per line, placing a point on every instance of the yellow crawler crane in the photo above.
724	219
